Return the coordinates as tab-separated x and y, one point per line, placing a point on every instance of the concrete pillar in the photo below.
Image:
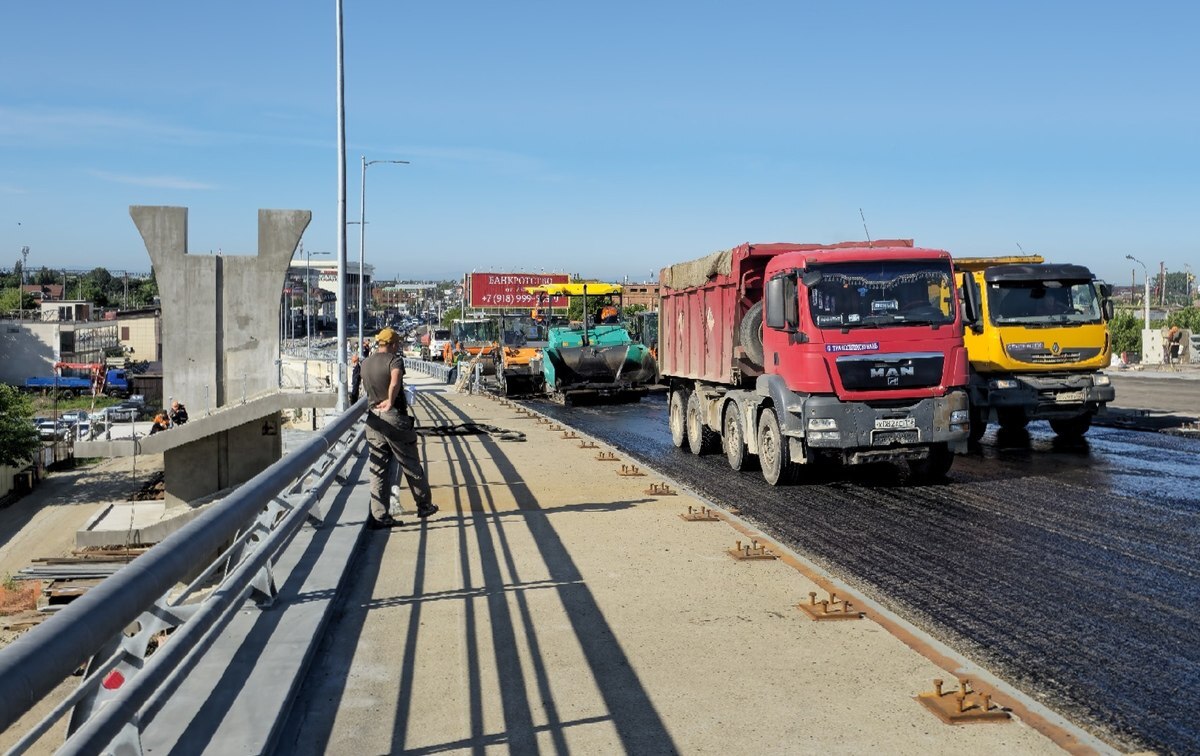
220	341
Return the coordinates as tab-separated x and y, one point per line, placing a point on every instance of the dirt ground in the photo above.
43	523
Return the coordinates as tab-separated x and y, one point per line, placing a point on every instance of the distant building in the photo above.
645	294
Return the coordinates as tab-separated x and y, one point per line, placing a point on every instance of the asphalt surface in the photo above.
1071	570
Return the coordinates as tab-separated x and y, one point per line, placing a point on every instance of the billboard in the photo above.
508	289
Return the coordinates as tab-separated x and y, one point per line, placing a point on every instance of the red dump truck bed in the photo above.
703	302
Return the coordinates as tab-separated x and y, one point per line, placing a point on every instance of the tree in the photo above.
10	300
1126	330
18	436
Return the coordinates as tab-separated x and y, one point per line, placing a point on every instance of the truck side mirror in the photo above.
970	299
1106	290
1108	309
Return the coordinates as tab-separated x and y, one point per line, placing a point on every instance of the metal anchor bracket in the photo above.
962	706
752	551
570	434
660	489
703	514
831	608
588	445
630	471
606	456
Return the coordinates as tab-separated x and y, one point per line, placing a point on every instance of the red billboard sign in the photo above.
508	289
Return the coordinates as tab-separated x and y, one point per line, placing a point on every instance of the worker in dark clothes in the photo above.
178	414
355	377
390	432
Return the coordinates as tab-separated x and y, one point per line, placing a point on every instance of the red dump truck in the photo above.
817	353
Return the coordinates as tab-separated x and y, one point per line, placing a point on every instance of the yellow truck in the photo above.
1040	344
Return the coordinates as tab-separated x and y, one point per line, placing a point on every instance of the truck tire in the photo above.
733	439
750	333
677	418
66	394
1072	427
934	467
978	423
777	467
1012	418
700	438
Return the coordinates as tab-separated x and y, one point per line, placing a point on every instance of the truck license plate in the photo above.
884	423
1069	397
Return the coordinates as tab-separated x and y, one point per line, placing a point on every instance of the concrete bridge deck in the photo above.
555	605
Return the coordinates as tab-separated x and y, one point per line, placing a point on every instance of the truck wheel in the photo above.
934	467
1072	427
733	437
750	333
777	468
1012	418
67	394
700	438
677	418
978	420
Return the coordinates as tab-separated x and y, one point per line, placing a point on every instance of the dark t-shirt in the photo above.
377	376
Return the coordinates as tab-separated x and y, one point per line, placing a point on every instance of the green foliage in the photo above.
1188	318
1126	331
452	314
14	299
18	437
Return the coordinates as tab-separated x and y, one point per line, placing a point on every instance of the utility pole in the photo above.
1162	284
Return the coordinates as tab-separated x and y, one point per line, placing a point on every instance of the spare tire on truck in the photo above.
750	333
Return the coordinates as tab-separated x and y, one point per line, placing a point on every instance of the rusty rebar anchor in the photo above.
588	445
753	551
661	489
956	707
555	427
630	471
570	435
831	608
606	456
703	514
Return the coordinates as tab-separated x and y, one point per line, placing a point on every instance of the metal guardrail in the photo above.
440	370
115	628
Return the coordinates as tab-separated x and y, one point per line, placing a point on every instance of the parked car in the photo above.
124	412
49	428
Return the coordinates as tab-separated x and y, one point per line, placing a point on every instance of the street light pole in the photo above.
1145	295
362	235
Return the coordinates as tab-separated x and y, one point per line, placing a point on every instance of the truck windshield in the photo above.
523	331
1042	303
882	293
474	330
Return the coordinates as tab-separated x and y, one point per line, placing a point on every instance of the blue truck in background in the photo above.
79	379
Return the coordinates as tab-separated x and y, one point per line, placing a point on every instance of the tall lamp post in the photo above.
1146	293
362	235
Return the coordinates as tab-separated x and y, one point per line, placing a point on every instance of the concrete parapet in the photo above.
226	448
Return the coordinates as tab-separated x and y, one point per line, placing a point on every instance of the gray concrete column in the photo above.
220	313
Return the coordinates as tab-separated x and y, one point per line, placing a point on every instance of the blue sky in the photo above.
606	139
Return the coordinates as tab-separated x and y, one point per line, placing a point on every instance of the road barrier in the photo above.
118	628
440	370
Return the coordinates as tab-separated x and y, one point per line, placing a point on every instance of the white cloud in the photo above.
4	189
160	182
67	126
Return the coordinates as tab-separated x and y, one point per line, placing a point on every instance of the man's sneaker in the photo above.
426	510
383	523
